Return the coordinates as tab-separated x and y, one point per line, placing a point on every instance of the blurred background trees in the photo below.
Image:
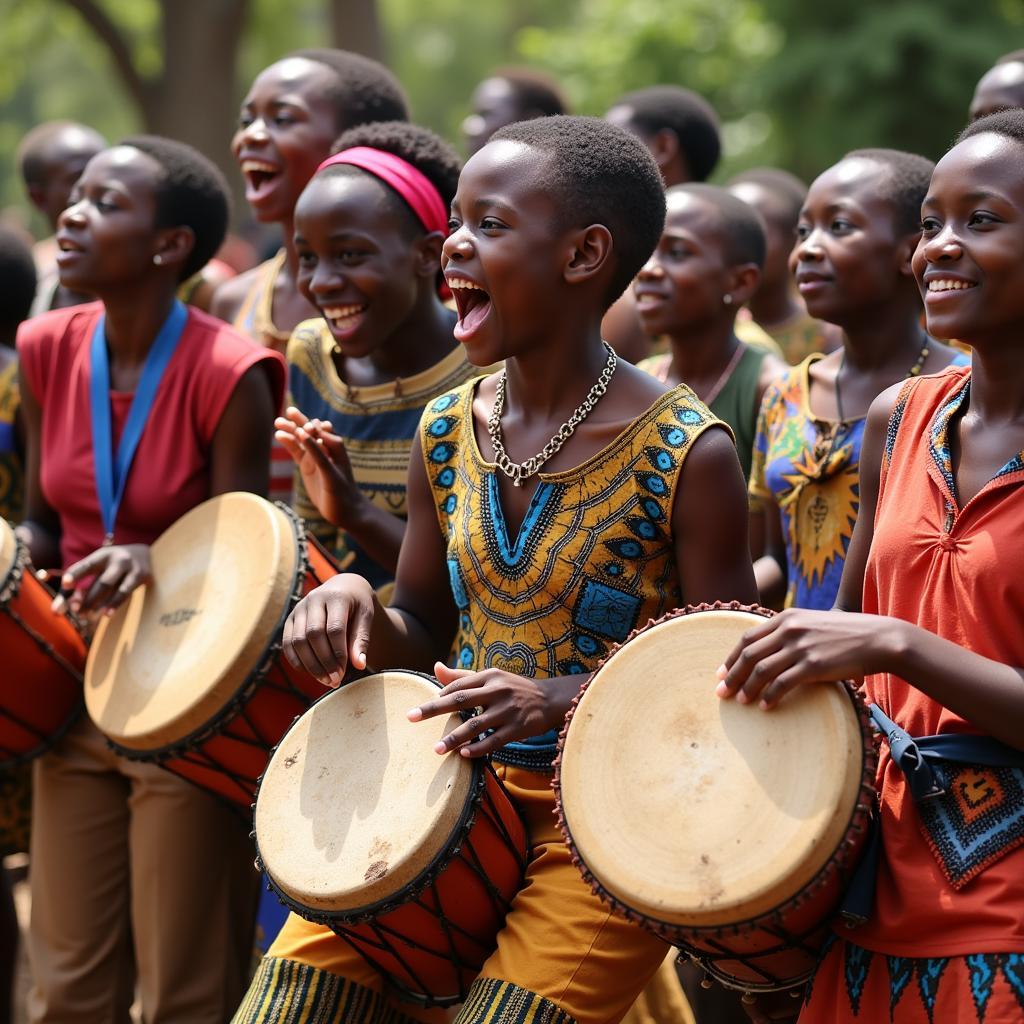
797	82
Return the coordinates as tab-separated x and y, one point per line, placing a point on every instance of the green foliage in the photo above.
797	82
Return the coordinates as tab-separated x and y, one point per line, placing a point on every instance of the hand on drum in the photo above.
115	571
323	462
799	646
510	707
329	629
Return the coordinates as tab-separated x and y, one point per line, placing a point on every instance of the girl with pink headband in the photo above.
368	233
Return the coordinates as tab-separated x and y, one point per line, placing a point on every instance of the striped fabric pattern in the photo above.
491	1001
288	992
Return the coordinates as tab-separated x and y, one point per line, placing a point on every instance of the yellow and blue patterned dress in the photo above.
593	559
378	424
811	468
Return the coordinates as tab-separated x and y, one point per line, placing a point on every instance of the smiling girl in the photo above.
292	113
929	614
856	235
368	233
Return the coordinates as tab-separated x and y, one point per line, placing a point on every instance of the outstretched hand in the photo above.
509	707
323	462
115	571
799	646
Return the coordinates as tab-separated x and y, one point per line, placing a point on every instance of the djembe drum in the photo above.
412	858
727	830
43	658
189	672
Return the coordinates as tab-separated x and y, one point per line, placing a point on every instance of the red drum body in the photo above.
729	831
414	859
43	658
189	672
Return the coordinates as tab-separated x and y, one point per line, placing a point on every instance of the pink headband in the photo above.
411	184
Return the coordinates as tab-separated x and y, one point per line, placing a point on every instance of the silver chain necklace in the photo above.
519	472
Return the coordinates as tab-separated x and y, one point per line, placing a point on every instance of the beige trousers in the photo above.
142	885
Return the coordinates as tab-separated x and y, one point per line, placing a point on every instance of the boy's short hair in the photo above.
599	174
684	112
533	90
741	227
365	90
191	193
419	146
904	186
18	273
786	190
1008	123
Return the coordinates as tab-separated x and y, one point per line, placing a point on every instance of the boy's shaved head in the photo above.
599	174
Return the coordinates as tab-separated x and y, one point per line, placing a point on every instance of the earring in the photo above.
158	259
726	300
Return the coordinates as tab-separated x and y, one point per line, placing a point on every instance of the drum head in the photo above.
355	804
172	657
697	811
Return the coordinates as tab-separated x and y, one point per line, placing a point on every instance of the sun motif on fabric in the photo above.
821	521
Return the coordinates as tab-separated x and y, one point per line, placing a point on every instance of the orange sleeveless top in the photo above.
957	572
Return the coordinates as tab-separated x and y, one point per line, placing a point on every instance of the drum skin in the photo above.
188	673
413	858
43	658
729	831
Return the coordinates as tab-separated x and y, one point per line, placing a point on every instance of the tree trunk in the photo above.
197	99
355	25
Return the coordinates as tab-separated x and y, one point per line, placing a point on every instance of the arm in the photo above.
709	523
240	450
799	647
342	623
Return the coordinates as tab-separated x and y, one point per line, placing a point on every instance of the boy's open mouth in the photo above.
473	303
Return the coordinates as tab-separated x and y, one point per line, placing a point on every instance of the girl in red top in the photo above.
137	408
932	595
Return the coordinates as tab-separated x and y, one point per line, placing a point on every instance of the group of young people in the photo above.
533	401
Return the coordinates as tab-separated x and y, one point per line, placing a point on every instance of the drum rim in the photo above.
12	573
675	933
423	878
483	770
268	656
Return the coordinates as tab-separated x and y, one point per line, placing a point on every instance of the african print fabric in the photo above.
810	467
378	424
593	559
854	984
288	992
493	1001
11	467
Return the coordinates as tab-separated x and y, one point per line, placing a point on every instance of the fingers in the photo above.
294	417
743	660
328	631
446	675
762	629
466	692
288	441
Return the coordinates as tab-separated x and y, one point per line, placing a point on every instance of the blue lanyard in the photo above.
111	470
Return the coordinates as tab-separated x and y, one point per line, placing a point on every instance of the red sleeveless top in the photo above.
171	470
959	573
